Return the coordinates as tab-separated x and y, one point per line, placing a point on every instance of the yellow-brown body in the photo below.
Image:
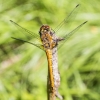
50	42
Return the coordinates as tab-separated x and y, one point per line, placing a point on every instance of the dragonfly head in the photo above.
44	29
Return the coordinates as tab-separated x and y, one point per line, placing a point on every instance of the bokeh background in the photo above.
23	67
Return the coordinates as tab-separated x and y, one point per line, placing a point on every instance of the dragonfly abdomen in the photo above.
50	70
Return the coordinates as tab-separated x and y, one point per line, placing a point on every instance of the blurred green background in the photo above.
23	67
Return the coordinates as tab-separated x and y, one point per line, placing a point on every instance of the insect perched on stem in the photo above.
49	43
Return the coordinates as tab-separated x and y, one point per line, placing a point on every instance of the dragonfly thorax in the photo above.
48	37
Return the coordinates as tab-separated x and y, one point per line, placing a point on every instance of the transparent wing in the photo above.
73	31
37	45
26	36
67	36
68	18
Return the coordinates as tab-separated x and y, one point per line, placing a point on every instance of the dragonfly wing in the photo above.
37	45
24	30
67	36
25	33
73	31
68	18
26	36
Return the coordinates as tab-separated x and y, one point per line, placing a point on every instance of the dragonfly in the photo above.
49	42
